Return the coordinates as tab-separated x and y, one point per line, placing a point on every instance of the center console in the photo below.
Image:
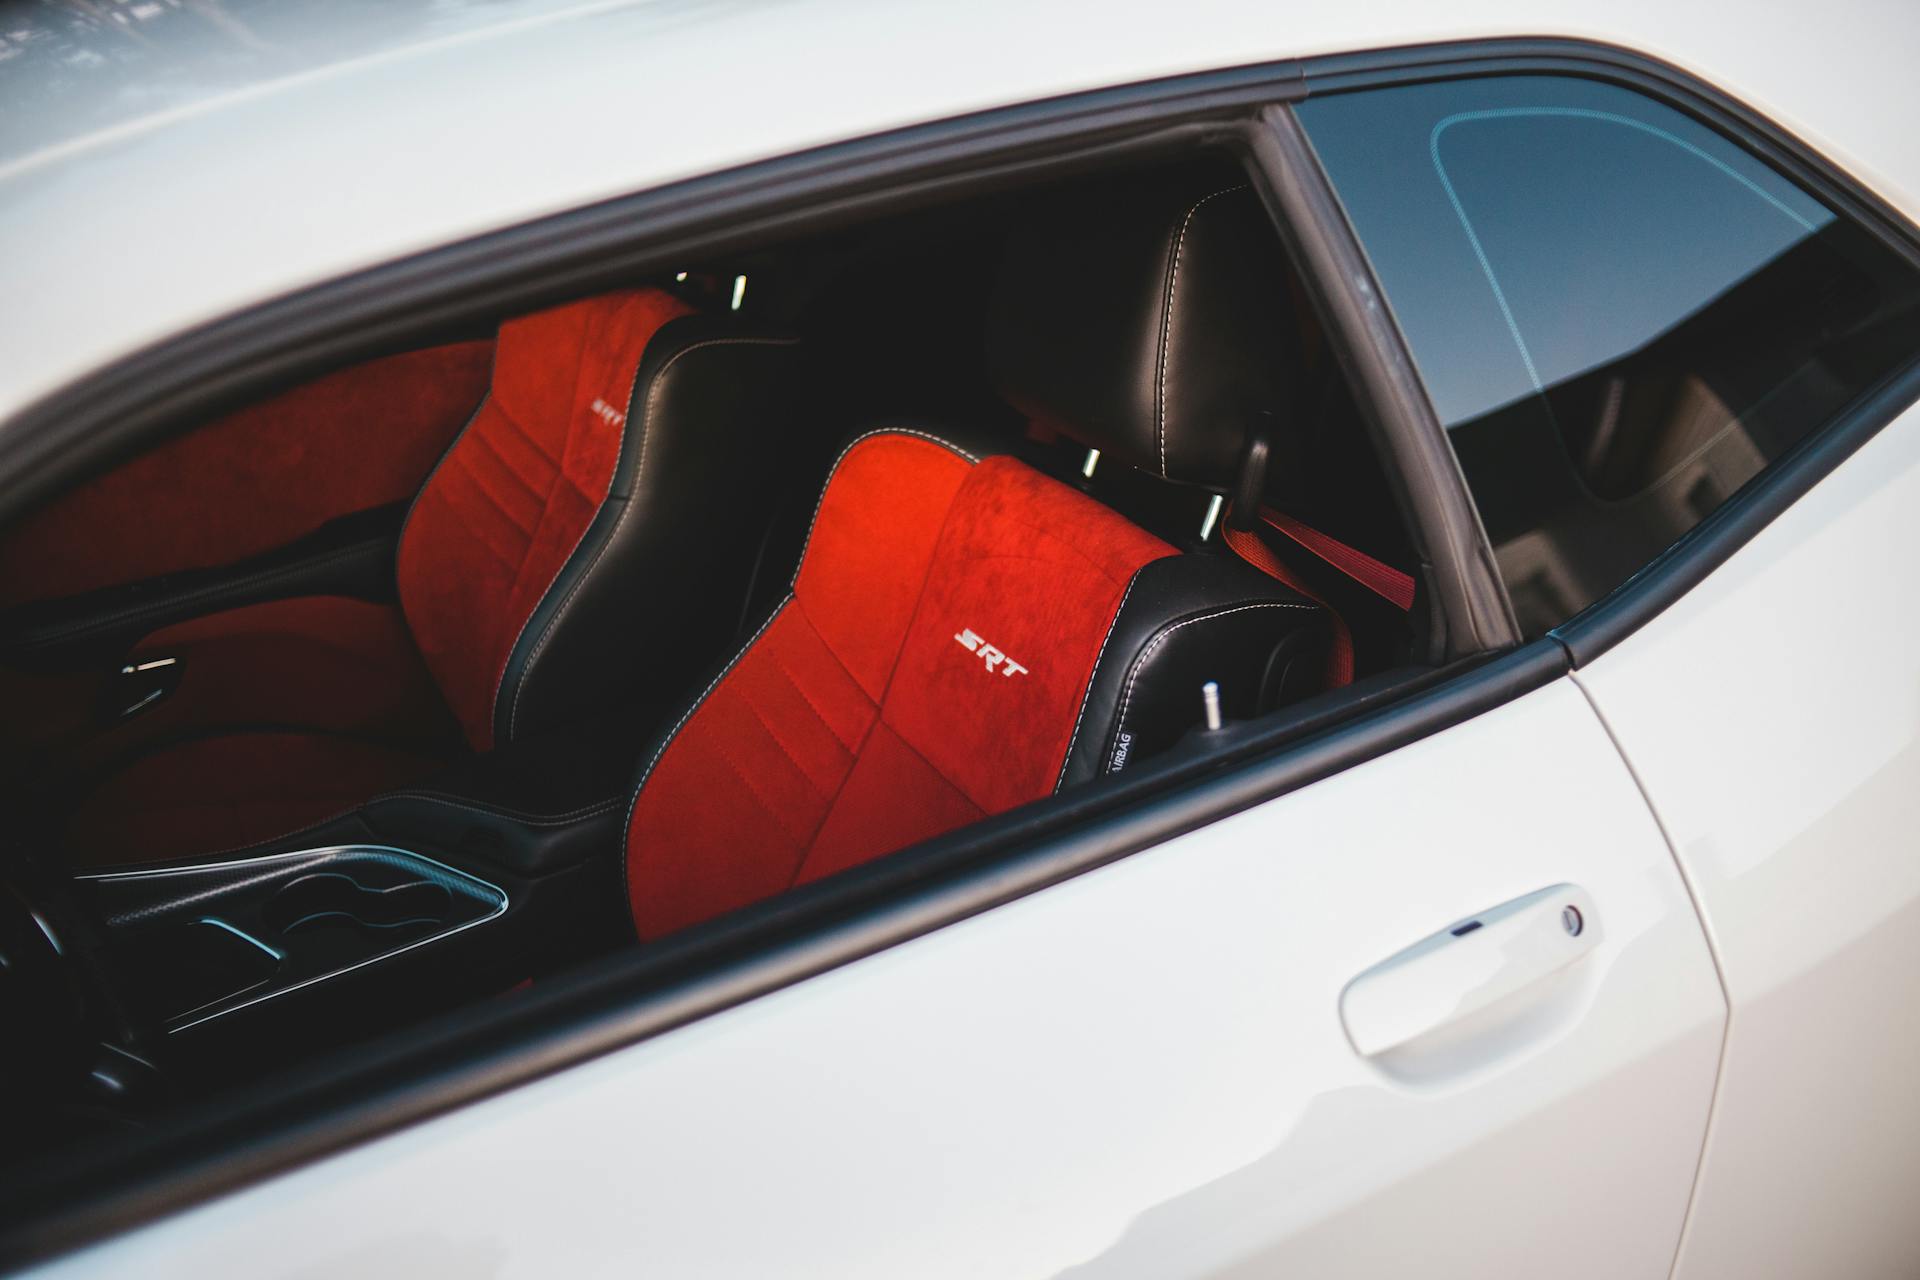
205	941
414	903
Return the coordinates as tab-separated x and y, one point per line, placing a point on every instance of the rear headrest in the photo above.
1150	323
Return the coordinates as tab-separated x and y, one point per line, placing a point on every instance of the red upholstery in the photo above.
518	490
306	669
928	668
328	663
254	480
218	793
290	712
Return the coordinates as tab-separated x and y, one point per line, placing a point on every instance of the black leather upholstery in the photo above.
534	806
1152	325
1155	323
1187	620
660	579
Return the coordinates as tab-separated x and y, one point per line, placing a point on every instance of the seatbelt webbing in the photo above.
1383	580
1249	547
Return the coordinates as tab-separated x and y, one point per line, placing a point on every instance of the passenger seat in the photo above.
584	545
965	634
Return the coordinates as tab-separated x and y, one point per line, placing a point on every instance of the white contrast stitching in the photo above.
1159	638
646	433
1166	325
1087	697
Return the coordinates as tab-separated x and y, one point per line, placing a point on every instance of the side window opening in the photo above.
1621	316
1078	361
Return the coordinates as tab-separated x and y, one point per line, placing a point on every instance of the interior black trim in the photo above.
1470	612
345	1098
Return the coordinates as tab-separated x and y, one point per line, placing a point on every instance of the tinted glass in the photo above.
1621	316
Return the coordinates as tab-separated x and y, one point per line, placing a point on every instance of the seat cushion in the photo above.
328	688
222	792
327	663
929	667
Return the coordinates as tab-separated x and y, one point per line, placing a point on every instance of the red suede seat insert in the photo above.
512	499
254	480
861	719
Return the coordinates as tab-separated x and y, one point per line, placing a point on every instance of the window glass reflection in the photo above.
1621	316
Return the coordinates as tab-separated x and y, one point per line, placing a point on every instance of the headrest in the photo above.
1151	323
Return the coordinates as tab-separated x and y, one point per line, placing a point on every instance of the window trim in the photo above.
347	1097
1360	327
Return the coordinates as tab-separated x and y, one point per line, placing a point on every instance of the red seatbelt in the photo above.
1383	580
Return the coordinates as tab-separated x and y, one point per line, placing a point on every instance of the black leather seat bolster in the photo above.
661	576
1187	620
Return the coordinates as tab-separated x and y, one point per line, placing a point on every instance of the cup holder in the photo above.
217	937
332	898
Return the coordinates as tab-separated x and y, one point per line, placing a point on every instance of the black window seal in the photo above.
1687	562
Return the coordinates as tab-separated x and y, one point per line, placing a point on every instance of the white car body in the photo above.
1143	1070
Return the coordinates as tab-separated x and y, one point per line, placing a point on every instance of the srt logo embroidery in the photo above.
612	415
990	655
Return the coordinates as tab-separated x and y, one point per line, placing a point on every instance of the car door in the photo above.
1771	715
1162	1067
1685	355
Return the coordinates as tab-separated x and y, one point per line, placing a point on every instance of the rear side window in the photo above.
1621	316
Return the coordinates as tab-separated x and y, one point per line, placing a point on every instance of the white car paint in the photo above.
1774	718
313	170
1140	1072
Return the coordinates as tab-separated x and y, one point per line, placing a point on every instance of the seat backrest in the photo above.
547	567
929	667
